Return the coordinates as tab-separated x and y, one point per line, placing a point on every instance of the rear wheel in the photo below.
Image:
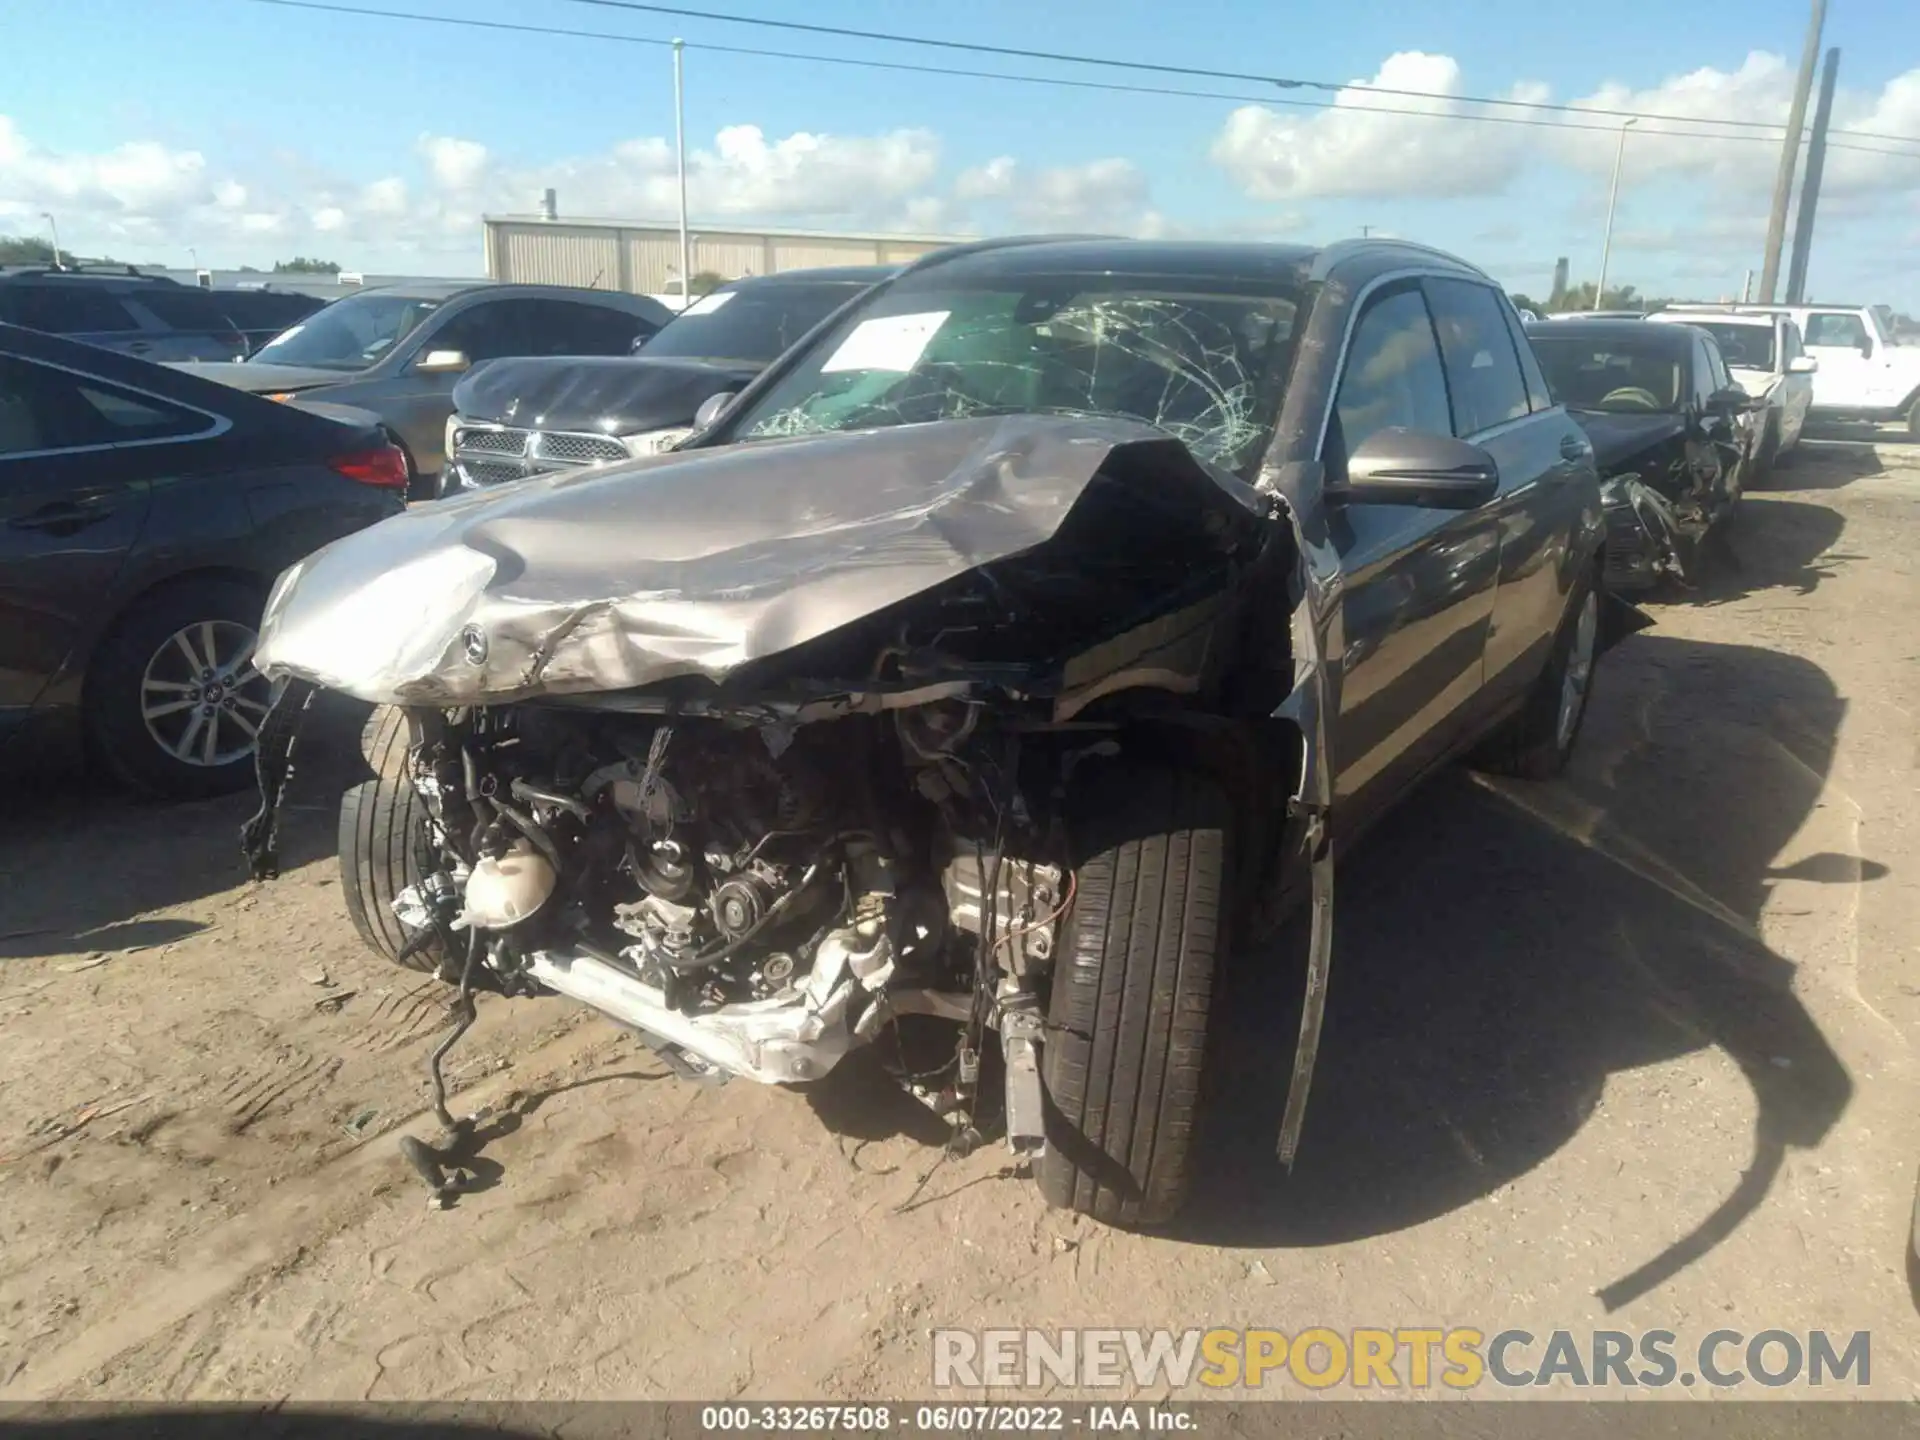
1132	991
1537	742
385	844
173	700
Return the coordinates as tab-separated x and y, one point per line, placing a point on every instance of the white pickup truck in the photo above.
1863	374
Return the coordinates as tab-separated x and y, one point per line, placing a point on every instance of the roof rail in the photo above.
1335	251
115	272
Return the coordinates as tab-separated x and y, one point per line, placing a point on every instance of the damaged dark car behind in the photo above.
1007	660
1670	432
521	417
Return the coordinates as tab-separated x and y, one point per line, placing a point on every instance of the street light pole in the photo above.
1790	155
1613	199
680	148
47	216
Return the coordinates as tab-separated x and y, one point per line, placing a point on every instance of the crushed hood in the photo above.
693	563
604	395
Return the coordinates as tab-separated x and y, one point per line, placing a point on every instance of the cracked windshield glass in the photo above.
1208	366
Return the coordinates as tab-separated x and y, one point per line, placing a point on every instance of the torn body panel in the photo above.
1663	489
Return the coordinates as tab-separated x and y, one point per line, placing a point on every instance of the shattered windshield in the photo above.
1205	360
1622	376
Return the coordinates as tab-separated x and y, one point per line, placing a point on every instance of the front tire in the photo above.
1132	991
173	701
385	843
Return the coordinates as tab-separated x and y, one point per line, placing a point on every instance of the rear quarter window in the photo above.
184	309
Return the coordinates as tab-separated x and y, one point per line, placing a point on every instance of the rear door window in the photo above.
1483	368
1539	393
72	309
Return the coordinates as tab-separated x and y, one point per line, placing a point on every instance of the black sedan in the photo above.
1670	435
143	514
520	417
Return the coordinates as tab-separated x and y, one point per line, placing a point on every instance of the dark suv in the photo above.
151	316
392	354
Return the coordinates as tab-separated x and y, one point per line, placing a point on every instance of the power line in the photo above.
1194	72
1112	87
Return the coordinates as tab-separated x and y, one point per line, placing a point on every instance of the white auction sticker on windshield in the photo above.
888	342
707	304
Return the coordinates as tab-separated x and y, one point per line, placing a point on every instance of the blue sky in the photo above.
253	132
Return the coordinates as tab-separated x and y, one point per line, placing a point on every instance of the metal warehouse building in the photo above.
643	256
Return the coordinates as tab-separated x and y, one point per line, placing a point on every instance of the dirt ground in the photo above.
1631	1050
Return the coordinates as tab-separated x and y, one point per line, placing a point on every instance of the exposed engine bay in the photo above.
768	751
757	900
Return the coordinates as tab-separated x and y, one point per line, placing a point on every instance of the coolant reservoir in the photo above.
502	891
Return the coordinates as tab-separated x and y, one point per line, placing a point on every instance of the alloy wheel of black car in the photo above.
173	699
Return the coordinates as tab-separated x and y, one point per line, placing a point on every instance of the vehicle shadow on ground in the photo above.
1826	462
80	860
1770	544
1502	948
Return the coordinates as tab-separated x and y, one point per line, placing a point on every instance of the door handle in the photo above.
62	516
1572	447
139	347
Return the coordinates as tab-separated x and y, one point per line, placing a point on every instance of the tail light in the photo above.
385	467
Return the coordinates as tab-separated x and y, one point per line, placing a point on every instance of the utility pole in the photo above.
1790	155
1613	199
680	146
1365	231
47	216
1810	187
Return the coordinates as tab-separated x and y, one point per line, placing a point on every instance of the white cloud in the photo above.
141	178
990	181
1368	145
456	164
1357	150
1106	195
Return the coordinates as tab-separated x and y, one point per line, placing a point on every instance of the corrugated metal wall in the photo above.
645	260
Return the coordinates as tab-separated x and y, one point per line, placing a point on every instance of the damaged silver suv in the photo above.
1000	663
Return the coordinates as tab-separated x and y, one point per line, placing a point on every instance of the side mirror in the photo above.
712	408
1731	401
1802	365
1412	467
1866	346
442	362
